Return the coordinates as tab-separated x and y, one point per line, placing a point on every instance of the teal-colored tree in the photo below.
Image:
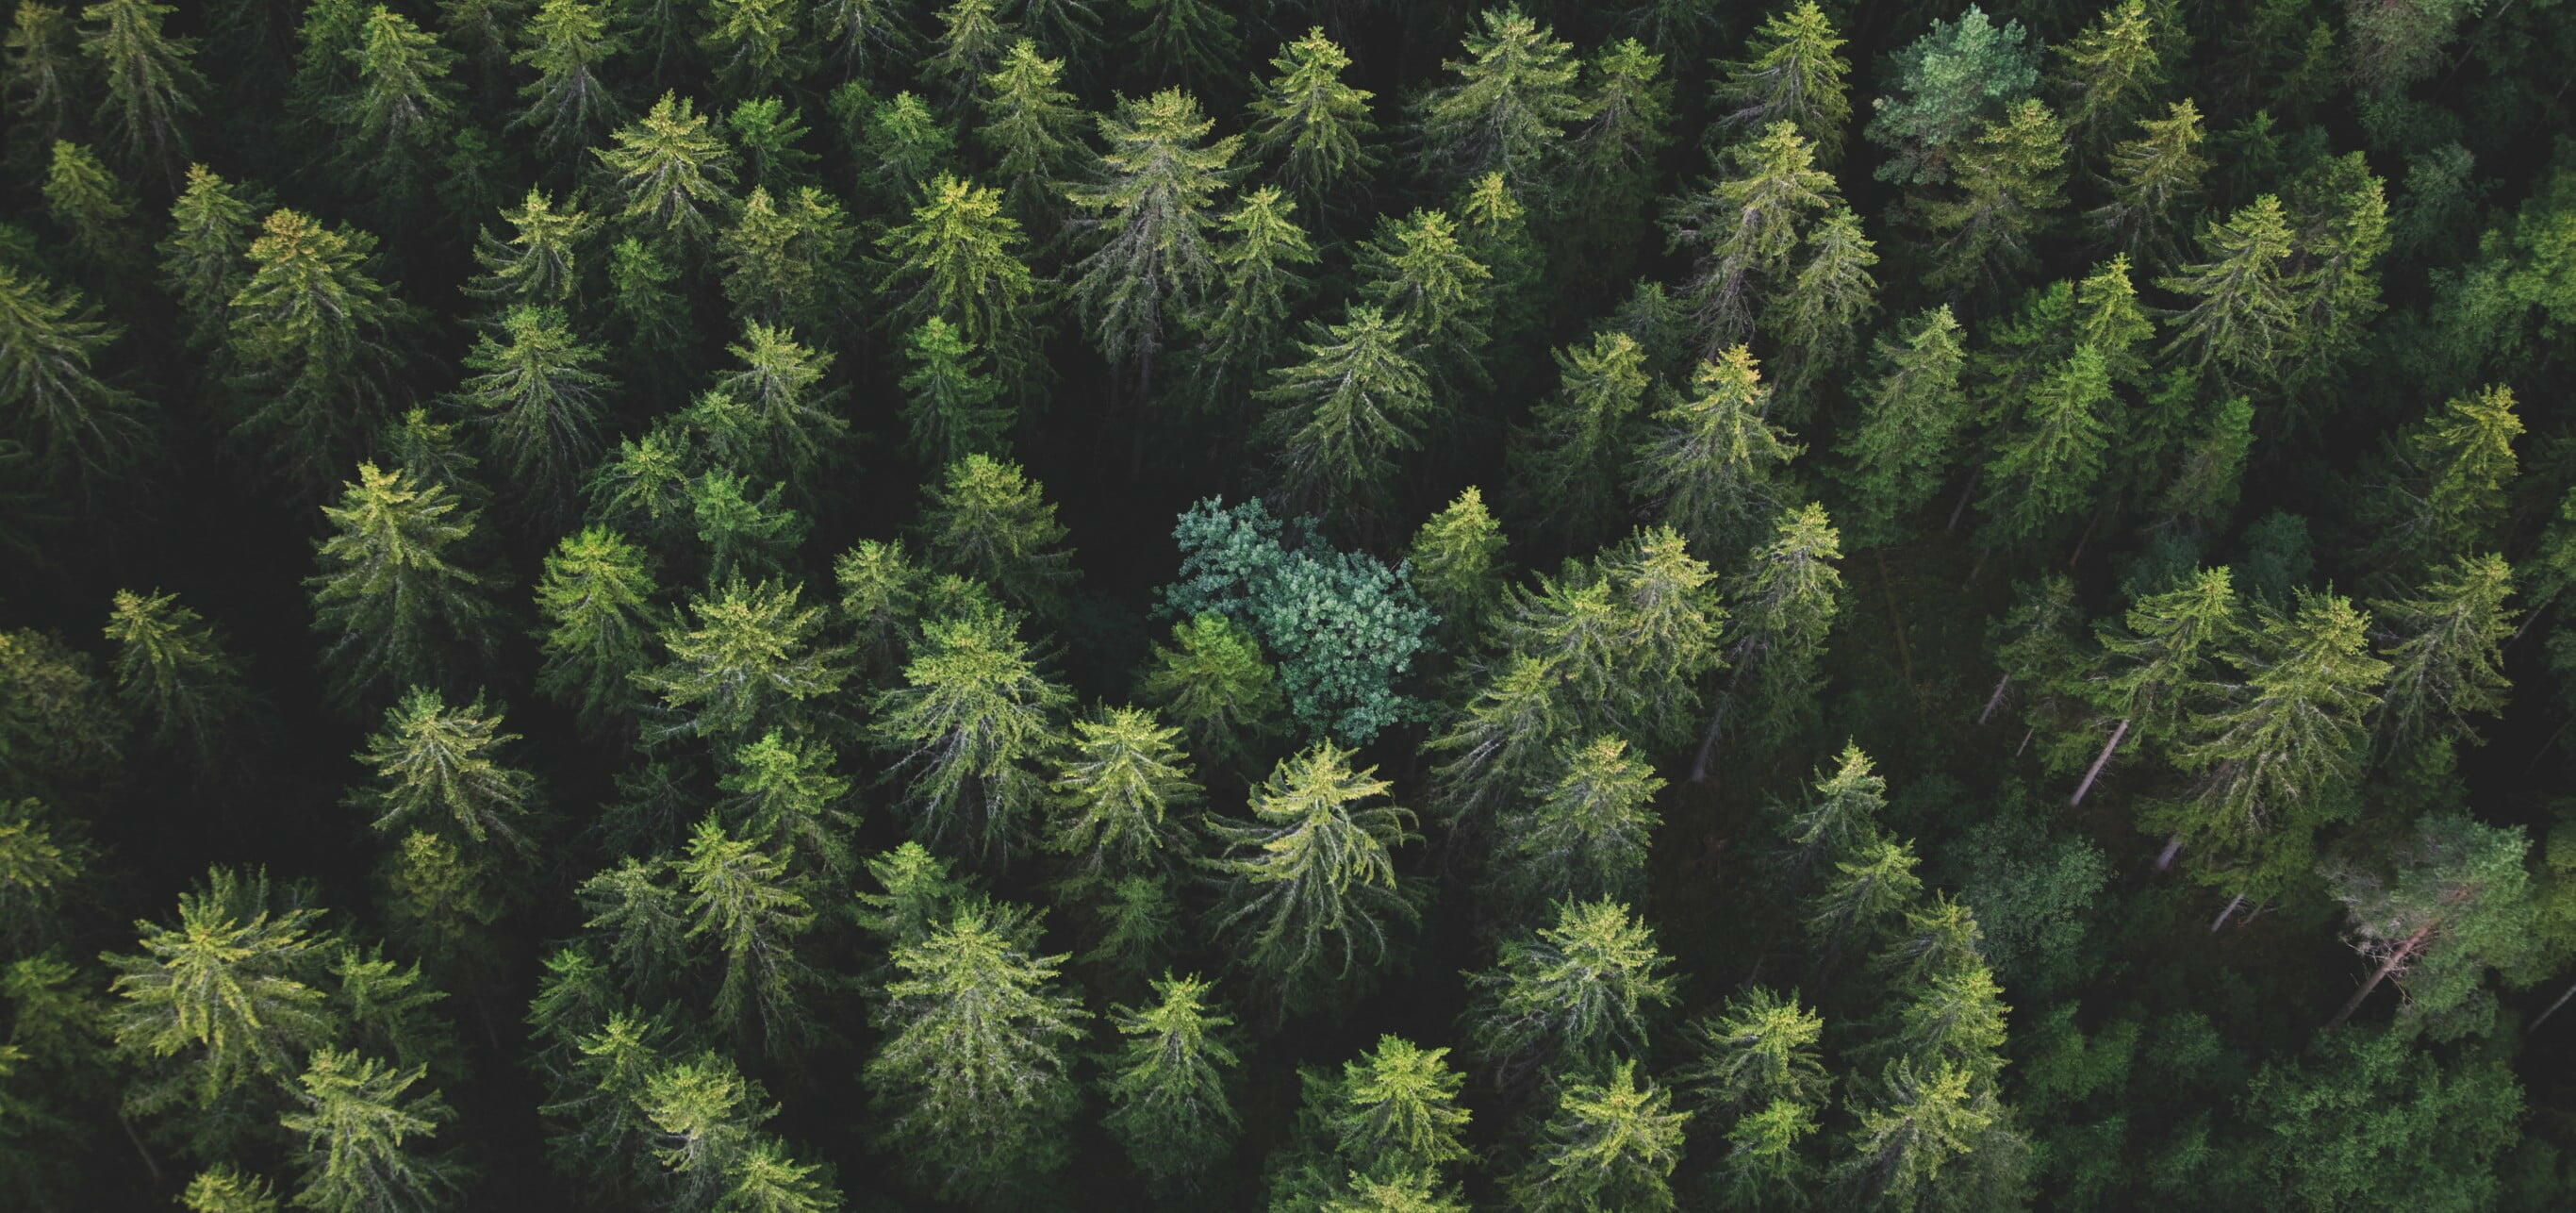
973	1082
1954	79
393	601
1311	905
1170	1086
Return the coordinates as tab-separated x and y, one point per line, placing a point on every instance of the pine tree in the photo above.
673	176
1243	322
1152	206
1119	793
78	426
1759	1051
173	673
1171	1087
2155	180
969	730
1570	457
1901	449
1507	108
2047	466
203	259
990	522
1609	1145
2159	661
2008	179
40	76
2107	70
1311	900
224	998
1581	835
1312	124
358	1123
149	80
782	260
1214	685
749	660
1570	998
2457	905
1339	416
1030	128
396	117
1742	229
440	768
570	104
958	259
392	599
1191	41
1958	76
1716	469
596	598
2241	314
1920	1124
2445	650
754	45
312	339
1821	310
1792	73
2267	763
973	1078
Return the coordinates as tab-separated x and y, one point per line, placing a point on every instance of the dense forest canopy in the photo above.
1310	605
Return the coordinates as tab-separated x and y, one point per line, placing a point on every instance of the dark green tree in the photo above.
970	731
1311	901
1243	323
747	659
1341	415
1506	106
79	427
1910	418
394	600
1171	1086
1571	998
1716	467
1311	123
1792	72
313	341
150	79
1031	127
1151	208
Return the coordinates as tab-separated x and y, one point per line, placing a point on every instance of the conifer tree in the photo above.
1457	566
1391	1113
173	673
1781	608
312	341
223	998
1191	41
672	177
783	790
1629	638
2267	762
1171	1086
1152	206
1119	792
951	406
1342	414
2457	905
1214	685
1030	128
1716	469
767	131
701	1121
1910	418
1839	814
392	600
2008	178
596	599
1420	274
747	660
969	730
2155	180
78	426
1820	311
439	767
1741	229
2107	70
1614	149
1570	458
1506	107
570	103
83	198
2241	312
881	598
1243	322
1757	1052
1064	26
42	69
1582	835
2453	467
1611	1144
1863	895
534	385
1919	1123
1792	72
2159	661
1311	901
224	1189
860	36
990	522
973	1077
396	117
149	80
1958	76
741	902
957	258
2445	651
1953	1018
755	45
204	258
358	1121
1570	998
2048	465
972	38
782	259
1312	124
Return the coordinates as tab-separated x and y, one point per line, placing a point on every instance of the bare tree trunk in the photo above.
1995	700
2404	953
2165	857
149	1163
1895	619
1716	720
2229	912
2543	1017
1959	510
2095	771
2025	741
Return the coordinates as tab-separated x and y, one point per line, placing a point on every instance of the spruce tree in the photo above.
2458	904
357	1122
1756	1052
540	263
973	1082
1900	452
1341	414
1151	209
743	906
1311	124
754	45
42	70
313	342
2048	464
1120	793
1506	106
2106	71
951	406
1610	1144
80	428
1922	1120
1311	902
988	521
535	387
1214	685
173	674
1391	1113
2445	651
393	600
203	259
957	258
746	659
970	731
782	259
1792	72
1614	149
397	117
1191	41
1741	229
2007	180
1242	324
1569	459
1716	469
2155	179
227	996
1570	998
2159	661
1780	610
83	198
2241	312
596	600
1457	567
672	177
972	37
149	77
1420	274
860	36
570	103
1582	835
440	768
1171	1098
1030	126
